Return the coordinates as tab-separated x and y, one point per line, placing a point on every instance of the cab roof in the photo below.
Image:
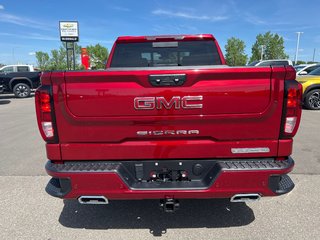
180	37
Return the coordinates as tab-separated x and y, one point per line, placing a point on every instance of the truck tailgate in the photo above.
119	112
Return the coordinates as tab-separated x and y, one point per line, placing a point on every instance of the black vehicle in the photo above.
18	79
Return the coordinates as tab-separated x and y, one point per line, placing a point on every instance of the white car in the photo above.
272	62
304	69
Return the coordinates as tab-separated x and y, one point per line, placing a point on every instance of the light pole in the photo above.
262	48
297	50
14	51
13	58
314	54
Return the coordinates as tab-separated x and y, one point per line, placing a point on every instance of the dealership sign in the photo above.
69	31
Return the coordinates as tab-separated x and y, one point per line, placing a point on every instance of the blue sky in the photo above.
29	26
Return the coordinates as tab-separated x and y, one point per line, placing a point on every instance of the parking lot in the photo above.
29	213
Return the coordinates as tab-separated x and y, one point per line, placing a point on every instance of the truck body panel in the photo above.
197	131
223	122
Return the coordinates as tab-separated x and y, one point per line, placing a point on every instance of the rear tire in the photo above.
312	100
21	90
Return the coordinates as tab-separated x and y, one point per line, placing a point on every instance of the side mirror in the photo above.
303	73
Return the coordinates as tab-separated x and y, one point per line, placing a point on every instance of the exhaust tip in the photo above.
246	197
93	200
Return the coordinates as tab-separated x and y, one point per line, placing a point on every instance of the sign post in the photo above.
69	33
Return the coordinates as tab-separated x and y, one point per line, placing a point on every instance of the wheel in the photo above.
21	90
312	100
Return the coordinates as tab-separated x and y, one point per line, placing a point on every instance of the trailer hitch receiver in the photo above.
169	205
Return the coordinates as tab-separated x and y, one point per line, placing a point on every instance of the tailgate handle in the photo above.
167	80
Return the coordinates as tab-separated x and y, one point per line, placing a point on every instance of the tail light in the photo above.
291	108
45	116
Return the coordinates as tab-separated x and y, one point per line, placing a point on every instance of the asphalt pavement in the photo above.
27	212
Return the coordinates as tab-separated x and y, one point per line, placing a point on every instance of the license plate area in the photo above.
174	174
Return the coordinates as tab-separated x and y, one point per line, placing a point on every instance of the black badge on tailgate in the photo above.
167	80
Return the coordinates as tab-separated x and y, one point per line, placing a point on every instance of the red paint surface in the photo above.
96	120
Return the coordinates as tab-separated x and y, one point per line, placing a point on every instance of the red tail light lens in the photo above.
45	102
293	97
44	113
292	108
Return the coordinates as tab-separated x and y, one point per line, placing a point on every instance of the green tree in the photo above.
42	60
58	60
273	47
235	55
98	56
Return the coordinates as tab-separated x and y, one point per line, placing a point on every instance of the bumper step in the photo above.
281	184
171	174
58	187
107	166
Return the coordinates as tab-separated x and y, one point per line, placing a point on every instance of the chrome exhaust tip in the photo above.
245	197
93	200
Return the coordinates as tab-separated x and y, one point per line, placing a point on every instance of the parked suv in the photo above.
274	62
304	69
311	89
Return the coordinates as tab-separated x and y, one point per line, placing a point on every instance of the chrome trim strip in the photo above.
250	150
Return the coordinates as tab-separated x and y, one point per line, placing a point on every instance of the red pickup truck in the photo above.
168	120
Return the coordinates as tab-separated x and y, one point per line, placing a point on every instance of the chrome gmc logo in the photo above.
176	102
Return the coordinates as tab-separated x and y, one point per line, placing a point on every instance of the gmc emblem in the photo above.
176	102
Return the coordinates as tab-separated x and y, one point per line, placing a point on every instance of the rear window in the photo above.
155	54
315	72
310	69
274	63
298	68
23	69
253	63
7	70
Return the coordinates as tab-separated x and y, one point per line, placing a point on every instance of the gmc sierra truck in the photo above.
169	120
